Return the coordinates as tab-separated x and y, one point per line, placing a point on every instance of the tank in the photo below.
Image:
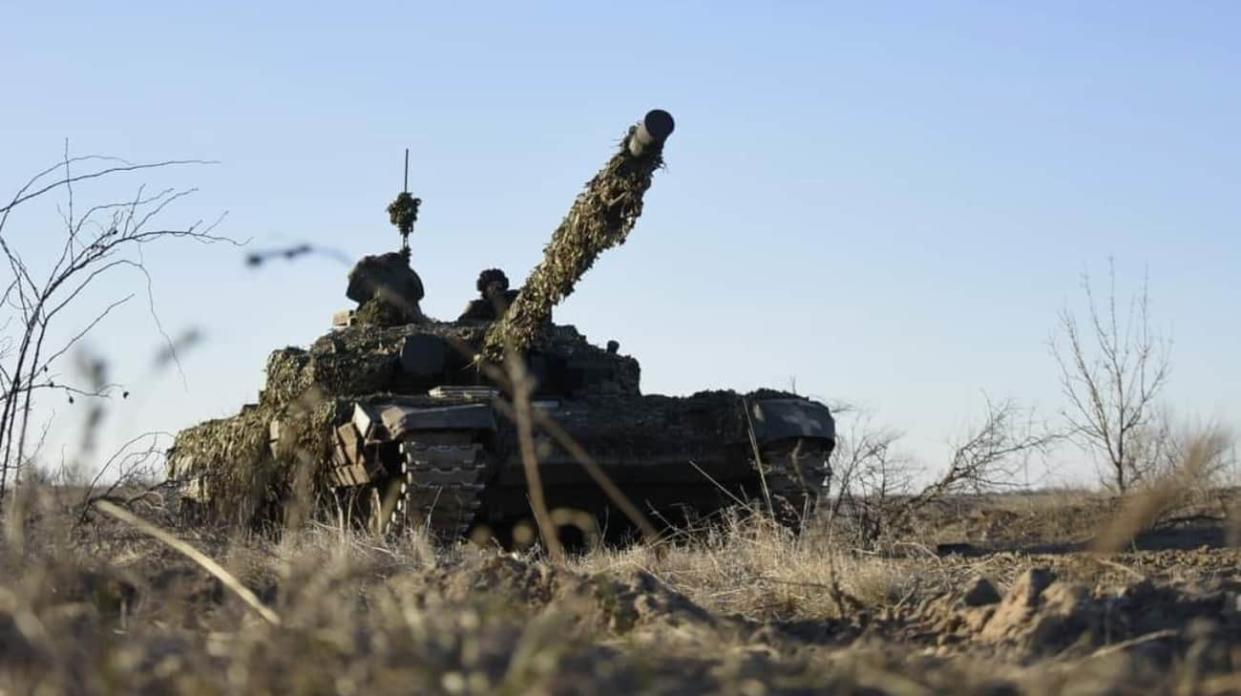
395	420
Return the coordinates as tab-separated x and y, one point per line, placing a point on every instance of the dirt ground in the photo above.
998	596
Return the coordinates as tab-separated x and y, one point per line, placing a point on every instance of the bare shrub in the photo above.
97	241
136	470
869	472
875	498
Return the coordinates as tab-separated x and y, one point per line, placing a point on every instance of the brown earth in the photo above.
91	605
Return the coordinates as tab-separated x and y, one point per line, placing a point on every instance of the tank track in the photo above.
441	488
796	473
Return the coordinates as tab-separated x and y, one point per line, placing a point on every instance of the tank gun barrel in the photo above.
600	218
652	131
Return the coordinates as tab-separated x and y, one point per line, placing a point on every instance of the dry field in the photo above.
998	595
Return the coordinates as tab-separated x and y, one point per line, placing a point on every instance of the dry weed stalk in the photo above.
522	386
592	468
133	468
563	439
203	560
758	457
1144	508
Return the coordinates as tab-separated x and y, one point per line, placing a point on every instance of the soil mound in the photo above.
1040	617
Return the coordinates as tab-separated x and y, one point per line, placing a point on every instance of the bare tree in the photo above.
875	480
95	242
1113	367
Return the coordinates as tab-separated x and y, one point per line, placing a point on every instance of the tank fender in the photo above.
781	419
388	422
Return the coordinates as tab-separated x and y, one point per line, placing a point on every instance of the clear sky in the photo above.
885	202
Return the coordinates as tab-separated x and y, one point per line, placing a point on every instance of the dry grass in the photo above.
1161	497
758	569
744	607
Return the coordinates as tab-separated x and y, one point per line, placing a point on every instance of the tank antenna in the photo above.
403	212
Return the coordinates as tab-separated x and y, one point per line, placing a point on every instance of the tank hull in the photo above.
451	461
675	458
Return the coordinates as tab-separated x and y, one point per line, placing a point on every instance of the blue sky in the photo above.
887	203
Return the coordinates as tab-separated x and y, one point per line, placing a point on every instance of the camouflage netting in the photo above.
379	312
403	212
387	290
600	218
233	463
352	361
309	392
363	359
287	376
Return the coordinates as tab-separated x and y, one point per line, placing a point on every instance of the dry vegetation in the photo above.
96	605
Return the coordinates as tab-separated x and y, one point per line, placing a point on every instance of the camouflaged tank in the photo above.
394	419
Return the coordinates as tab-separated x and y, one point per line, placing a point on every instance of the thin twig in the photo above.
717	484
1133	642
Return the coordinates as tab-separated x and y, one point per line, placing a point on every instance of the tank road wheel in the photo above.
796	472
371	507
441	485
385	518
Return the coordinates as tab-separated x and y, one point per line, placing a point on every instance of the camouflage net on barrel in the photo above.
600	218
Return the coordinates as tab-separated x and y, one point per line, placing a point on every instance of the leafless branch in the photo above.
131	467
107	237
26	195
